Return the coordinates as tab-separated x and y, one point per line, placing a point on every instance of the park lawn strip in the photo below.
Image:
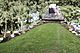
47	38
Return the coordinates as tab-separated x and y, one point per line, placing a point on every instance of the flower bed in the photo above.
74	26
9	35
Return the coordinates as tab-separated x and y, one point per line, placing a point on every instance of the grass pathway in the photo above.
47	38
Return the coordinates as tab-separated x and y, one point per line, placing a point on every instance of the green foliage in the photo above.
70	12
21	8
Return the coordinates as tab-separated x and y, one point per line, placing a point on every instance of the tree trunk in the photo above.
5	28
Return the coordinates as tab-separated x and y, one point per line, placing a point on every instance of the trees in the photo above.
17	10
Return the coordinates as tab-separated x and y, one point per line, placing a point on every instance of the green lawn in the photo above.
47	38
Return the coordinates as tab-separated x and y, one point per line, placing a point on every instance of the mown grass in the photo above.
47	38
